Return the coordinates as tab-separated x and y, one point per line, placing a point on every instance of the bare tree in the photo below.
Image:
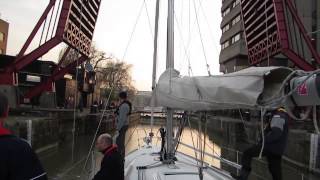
116	74
71	56
110	72
95	58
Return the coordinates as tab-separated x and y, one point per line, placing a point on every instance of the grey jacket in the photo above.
123	116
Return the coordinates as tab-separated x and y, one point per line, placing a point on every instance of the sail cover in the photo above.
248	88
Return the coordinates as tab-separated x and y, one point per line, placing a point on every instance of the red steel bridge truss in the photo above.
272	27
69	21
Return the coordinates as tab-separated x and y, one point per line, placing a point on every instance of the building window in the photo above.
225	45
236	20
225	12
1	37
225	28
235	3
235	38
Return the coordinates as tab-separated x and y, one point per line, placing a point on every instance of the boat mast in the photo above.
155	57
170	64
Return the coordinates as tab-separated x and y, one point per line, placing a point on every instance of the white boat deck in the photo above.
152	168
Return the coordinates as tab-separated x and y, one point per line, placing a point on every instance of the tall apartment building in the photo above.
4	29
233	55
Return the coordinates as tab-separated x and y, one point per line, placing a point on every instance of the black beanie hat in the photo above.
123	95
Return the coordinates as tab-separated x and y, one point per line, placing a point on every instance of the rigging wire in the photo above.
184	47
150	27
97	130
74	112
202	44
76	90
210	30
262	112
244	125
187	55
203	119
133	30
180	130
194	147
189	34
130	137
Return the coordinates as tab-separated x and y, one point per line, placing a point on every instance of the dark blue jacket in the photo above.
277	134
17	160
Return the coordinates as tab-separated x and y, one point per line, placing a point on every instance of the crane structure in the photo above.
69	21
272	27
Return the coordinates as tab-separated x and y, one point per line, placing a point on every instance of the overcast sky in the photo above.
115	25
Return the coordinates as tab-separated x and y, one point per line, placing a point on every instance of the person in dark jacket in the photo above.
111	164
275	139
17	160
122	121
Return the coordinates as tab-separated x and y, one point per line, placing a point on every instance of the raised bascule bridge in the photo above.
71	22
273	27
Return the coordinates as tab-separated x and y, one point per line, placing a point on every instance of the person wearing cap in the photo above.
17	160
275	140
122	121
111	164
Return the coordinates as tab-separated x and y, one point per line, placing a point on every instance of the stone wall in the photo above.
234	136
55	127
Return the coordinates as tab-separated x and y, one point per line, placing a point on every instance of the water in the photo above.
58	161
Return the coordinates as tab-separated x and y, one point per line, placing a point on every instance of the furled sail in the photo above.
248	88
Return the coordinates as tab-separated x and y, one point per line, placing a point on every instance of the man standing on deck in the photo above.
111	164
17	159
122	121
275	139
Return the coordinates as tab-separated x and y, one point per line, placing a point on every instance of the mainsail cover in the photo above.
248	88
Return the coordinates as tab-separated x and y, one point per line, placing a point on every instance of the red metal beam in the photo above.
298	61
303	31
260	46
35	29
281	23
7	78
63	18
35	54
47	85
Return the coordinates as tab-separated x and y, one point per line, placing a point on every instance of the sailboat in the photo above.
152	162
259	88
